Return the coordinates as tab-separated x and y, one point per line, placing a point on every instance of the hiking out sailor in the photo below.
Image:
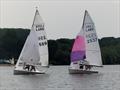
88	67
81	64
32	68
26	66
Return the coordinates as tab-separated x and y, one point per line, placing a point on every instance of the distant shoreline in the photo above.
7	65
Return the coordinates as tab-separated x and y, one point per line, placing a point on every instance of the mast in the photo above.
35	15
84	18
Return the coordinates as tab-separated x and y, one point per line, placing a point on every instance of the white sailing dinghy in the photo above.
86	51
35	50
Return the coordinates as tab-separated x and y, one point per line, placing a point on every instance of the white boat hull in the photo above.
78	71
23	72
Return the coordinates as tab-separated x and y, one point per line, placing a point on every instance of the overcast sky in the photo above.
63	18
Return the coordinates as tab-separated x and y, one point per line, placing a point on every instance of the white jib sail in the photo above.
93	53
30	53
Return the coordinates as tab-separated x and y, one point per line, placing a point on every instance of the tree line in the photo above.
13	39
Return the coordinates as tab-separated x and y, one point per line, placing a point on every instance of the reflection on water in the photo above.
58	78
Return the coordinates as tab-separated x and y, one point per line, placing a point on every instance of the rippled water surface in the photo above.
58	78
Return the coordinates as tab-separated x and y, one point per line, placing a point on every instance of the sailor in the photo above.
87	65
81	65
26	66
32	68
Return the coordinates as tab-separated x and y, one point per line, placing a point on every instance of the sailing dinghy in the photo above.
86	51
35	50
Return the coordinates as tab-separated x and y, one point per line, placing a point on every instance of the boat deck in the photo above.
78	71
23	72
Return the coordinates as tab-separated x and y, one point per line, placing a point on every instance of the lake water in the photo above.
58	78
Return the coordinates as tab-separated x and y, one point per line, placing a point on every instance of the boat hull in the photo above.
78	71
22	72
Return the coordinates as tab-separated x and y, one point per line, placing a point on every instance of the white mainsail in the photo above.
93	53
35	49
38	26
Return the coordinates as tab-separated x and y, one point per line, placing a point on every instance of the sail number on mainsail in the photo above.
43	37
40	27
90	35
